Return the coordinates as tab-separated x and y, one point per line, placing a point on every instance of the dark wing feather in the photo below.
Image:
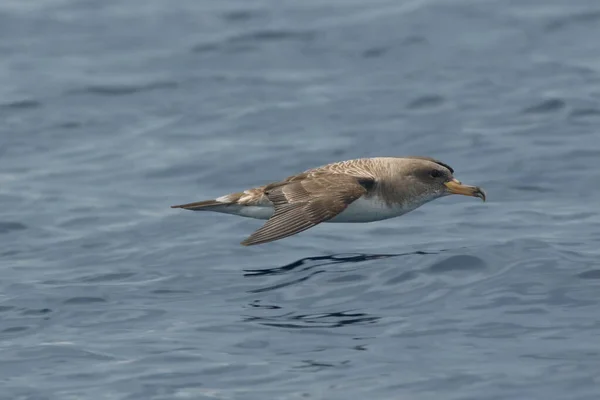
302	204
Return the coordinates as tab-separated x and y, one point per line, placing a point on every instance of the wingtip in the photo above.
251	241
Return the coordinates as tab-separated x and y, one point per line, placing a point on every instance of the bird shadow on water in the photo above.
308	267
310	263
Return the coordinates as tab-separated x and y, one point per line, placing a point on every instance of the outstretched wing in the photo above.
304	203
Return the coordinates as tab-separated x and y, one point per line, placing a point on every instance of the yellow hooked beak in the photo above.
455	187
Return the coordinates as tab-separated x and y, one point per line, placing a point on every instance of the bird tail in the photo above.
201	205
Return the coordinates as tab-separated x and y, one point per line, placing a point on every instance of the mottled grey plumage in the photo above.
386	186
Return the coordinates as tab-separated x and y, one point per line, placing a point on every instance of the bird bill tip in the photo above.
456	187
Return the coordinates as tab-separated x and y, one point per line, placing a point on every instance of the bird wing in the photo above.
302	204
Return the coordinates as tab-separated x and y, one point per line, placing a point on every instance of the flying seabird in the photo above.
360	190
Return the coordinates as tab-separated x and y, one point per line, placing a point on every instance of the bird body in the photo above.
361	210
360	190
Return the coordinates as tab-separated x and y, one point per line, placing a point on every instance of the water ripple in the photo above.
124	89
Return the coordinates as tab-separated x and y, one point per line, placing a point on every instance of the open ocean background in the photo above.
111	111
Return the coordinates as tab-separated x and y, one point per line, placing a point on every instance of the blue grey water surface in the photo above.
111	111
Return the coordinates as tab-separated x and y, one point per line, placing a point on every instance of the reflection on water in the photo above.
311	262
327	320
302	270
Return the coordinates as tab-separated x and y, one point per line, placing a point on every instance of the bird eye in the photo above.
435	173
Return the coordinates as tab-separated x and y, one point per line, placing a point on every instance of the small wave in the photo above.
22	104
375	52
427	101
15	329
584	113
241	15
84	300
117	276
36	311
123	89
578	19
326	320
591	274
532	188
246	41
546	106
458	263
6	227
274	35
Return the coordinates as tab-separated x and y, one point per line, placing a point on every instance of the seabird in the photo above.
360	190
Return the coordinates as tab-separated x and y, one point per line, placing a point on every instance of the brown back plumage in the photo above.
302	204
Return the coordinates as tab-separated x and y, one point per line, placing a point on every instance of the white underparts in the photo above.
361	210
368	210
245	211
